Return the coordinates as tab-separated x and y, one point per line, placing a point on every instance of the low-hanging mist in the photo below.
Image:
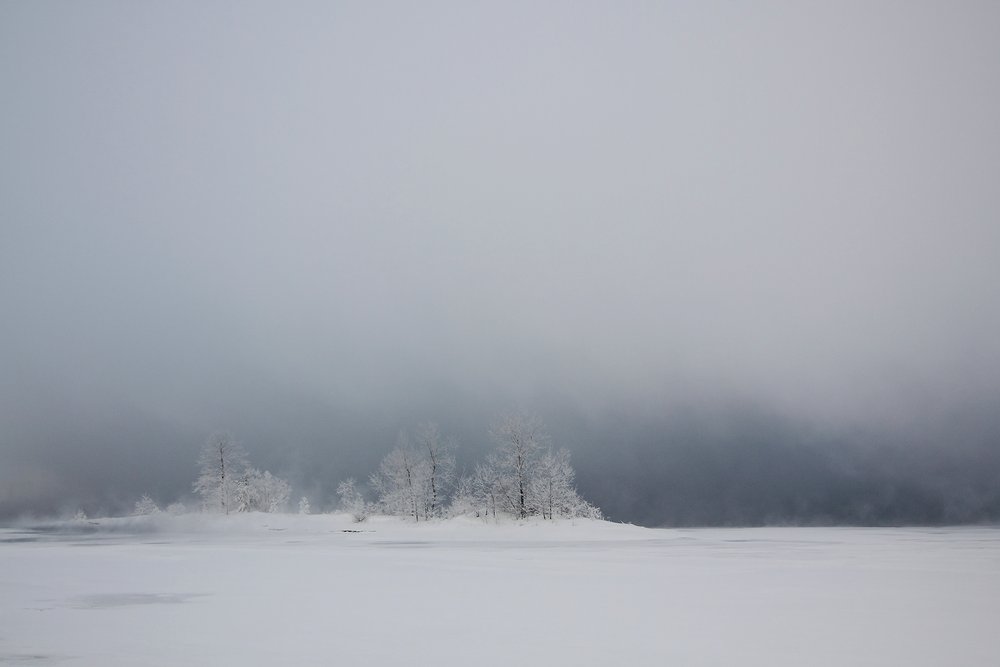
742	261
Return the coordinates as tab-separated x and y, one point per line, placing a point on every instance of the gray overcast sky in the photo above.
202	204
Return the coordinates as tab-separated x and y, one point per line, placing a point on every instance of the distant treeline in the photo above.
747	468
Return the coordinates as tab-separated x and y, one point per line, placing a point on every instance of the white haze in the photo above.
361	206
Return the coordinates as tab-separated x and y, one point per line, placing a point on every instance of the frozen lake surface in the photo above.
299	590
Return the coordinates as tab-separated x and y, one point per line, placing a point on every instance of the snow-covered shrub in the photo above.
176	509
145	506
304	505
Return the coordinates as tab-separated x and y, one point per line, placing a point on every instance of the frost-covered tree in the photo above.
352	501
485	492
222	462
401	482
493	486
553	491
553	483
258	491
464	502
438	465
520	440
145	506
176	509
304	507
523	477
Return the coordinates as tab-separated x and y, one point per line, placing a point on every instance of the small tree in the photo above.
401	482
176	509
493	486
304	505
351	500
145	506
483	492
555	492
220	465
276	493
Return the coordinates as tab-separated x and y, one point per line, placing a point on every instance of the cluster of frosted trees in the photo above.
523	477
227	483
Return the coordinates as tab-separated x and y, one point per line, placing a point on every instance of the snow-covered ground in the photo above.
299	590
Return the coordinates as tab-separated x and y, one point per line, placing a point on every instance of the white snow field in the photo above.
298	590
